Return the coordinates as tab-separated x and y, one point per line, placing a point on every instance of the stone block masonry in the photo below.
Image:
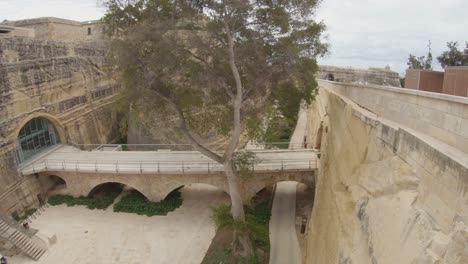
66	83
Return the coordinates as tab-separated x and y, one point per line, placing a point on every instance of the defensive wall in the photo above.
59	29
371	76
386	192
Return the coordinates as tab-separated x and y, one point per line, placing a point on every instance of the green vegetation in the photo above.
107	197
258	218
71	201
101	200
26	214
135	202
225	257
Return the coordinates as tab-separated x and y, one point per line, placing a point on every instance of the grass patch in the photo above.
258	217
136	203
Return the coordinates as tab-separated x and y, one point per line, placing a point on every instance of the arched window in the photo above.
35	136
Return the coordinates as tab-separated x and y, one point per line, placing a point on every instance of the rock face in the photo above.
382	195
67	84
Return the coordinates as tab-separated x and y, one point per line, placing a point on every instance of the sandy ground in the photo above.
101	236
284	243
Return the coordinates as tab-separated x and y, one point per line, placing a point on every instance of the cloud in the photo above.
366	33
362	33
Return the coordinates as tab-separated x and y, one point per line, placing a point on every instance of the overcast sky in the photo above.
362	33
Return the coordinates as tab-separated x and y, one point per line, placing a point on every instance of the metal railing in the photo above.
167	167
184	147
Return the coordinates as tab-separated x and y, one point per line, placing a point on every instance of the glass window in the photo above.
34	137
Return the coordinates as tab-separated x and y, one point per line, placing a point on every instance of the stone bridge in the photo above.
157	173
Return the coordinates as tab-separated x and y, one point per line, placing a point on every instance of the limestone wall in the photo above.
58	29
383	195
377	76
441	116
63	82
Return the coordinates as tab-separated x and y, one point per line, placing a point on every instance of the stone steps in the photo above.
21	241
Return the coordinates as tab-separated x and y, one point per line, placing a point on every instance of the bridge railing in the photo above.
167	167
185	147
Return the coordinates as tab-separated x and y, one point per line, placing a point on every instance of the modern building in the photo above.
425	80
453	81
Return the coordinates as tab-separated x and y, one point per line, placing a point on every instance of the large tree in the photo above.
453	56
218	66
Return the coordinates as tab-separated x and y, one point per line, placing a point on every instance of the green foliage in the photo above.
225	256
453	56
104	198
26	214
422	62
222	216
135	202
71	201
173	56
245	160
107	197
258	218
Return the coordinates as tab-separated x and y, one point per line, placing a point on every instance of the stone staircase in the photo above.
20	240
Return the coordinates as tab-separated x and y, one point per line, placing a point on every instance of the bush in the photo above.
257	226
226	257
71	201
107	197
135	202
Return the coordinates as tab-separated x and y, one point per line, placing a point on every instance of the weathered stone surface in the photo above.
63	82
376	76
383	195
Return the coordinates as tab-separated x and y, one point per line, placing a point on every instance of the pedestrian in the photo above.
3	260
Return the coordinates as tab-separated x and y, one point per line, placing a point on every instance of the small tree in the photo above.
218	66
423	62
453	56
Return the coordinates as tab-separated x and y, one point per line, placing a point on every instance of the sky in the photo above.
362	33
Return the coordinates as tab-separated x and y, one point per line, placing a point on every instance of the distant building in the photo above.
372	76
454	81
53	28
425	80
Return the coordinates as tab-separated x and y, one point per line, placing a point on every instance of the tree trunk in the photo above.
237	207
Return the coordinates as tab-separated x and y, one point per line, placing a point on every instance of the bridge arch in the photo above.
37	132
175	187
96	187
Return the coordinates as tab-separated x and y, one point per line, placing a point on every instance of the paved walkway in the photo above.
300	130
68	158
284	243
101	236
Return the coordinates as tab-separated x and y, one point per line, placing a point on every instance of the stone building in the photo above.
54	88
375	76
58	29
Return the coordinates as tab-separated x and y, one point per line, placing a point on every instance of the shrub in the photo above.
135	202
71	201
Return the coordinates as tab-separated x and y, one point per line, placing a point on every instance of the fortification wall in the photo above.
59	29
63	82
377	76
441	116
383	194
